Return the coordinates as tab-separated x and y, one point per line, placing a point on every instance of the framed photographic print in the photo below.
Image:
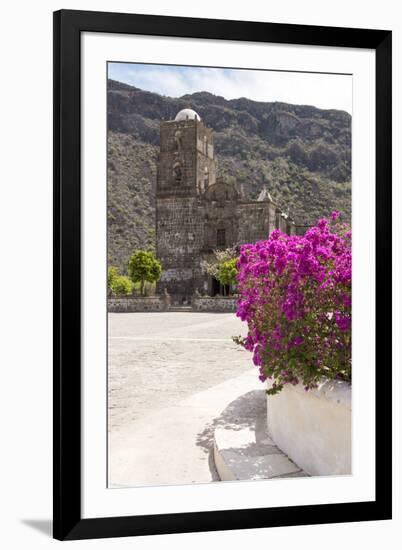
212	182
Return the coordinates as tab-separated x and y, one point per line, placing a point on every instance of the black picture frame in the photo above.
68	26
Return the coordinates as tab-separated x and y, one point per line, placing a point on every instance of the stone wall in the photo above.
256	220
179	232
131	304
217	304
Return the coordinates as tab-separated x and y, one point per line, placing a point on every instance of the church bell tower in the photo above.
186	170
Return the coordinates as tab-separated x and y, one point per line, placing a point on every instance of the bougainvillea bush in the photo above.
295	295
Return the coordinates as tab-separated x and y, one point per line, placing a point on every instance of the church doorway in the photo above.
218	289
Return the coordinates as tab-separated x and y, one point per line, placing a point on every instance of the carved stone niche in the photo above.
178	141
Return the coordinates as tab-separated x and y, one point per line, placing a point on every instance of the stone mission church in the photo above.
196	212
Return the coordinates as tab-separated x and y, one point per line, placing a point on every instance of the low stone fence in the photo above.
130	304
218	304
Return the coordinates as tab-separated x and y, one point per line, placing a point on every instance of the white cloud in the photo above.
326	91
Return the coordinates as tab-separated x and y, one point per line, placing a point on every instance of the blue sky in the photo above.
326	91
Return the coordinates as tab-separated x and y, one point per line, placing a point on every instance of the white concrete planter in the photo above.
314	427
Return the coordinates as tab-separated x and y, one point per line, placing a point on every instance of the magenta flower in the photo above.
295	295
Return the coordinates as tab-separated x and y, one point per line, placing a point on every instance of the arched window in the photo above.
177	173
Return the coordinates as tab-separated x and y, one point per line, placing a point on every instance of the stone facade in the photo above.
196	212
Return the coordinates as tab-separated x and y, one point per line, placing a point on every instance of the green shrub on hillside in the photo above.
118	285
122	286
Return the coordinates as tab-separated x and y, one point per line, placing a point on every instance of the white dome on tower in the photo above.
187	114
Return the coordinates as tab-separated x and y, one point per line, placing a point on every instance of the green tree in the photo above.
227	272
143	266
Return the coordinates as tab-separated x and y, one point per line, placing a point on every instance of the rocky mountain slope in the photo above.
301	154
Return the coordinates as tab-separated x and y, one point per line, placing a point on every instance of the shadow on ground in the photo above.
42	525
247	411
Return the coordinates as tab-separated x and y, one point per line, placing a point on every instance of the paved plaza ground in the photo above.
170	375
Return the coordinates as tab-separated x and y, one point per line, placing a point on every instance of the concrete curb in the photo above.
242	448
